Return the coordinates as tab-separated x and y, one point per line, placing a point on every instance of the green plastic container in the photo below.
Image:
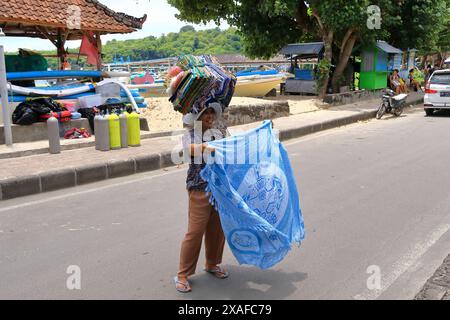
373	80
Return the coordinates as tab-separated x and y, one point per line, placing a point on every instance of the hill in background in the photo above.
187	40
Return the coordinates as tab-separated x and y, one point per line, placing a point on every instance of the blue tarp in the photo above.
253	188
255	72
33	75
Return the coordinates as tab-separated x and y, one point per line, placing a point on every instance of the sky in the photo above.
160	19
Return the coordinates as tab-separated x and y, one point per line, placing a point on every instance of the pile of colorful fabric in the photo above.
77	133
197	80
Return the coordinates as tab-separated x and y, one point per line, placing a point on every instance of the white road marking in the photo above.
404	263
65	196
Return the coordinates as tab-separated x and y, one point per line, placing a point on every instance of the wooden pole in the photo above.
99	48
61	41
58	48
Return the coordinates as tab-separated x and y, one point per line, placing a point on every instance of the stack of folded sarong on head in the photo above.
198	80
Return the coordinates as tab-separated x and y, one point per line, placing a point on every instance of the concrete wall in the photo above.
38	131
236	115
338	99
12	107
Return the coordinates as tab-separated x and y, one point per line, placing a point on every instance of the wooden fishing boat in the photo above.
257	85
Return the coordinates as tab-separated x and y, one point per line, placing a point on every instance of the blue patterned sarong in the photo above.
253	188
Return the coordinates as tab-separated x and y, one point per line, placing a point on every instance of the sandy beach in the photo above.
161	116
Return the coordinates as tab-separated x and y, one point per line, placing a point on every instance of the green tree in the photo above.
421	24
443	39
196	44
213	41
187	29
268	25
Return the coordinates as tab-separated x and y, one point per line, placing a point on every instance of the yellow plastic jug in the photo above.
134	130
114	131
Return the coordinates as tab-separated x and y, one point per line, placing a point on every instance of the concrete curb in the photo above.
59	179
54	180
438	286
84	144
20	186
91	173
330	124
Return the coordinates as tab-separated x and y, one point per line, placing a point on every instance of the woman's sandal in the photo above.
186	287
218	272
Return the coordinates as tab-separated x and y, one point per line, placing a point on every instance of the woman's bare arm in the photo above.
197	149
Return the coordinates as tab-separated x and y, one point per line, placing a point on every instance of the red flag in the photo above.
89	48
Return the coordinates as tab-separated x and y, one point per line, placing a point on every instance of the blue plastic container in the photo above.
304	74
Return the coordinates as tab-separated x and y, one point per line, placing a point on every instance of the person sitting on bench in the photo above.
413	83
397	83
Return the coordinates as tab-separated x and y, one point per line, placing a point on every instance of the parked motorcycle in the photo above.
393	104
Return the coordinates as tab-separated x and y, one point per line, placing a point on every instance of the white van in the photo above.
437	92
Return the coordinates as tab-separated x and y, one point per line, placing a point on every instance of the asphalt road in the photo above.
372	194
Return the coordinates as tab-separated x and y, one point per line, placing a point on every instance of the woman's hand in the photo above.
208	149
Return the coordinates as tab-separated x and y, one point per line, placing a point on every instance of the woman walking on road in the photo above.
203	219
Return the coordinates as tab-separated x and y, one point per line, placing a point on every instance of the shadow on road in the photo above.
391	116
245	283
407	111
441	113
